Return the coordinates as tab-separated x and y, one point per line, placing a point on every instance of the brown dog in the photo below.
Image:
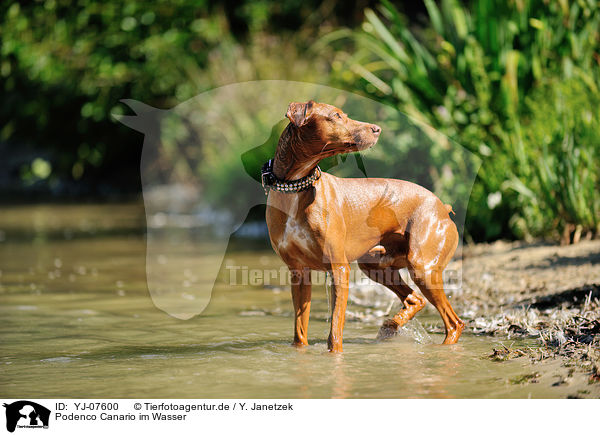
318	221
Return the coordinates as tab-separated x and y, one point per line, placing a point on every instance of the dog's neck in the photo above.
291	161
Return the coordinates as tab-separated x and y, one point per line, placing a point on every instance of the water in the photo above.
77	321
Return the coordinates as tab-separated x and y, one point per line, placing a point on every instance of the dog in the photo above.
317	221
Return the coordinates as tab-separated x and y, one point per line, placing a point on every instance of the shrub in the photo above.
486	77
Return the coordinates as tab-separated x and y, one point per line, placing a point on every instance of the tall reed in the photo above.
515	82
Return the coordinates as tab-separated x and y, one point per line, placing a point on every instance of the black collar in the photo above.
270	181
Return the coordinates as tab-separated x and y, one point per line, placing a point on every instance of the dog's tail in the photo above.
449	209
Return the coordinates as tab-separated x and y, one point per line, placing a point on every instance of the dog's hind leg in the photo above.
428	257
390	277
432	286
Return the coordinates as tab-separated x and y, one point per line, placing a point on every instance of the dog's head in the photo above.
325	130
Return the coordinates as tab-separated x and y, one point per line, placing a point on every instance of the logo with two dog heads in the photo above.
26	414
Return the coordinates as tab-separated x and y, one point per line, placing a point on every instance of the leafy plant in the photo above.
564	121
476	75
65	65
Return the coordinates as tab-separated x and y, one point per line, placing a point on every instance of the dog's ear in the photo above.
299	113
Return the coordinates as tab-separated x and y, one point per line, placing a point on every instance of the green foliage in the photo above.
487	78
64	66
563	119
515	82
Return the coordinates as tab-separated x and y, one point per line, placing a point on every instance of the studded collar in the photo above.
270	181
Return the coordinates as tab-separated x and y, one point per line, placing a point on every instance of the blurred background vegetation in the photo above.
516	82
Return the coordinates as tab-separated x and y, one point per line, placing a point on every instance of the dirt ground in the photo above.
539	290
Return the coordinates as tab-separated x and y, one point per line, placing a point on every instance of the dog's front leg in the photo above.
340	273
301	292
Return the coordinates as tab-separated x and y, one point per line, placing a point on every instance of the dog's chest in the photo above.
292	237
295	237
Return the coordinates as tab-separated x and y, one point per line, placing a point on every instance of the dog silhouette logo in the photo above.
26	414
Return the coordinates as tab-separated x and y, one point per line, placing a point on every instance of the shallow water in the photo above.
77	321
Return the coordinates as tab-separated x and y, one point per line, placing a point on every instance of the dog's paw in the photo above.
388	329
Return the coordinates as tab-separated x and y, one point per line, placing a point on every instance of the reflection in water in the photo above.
342	383
76	313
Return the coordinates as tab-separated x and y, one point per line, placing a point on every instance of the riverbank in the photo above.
543	291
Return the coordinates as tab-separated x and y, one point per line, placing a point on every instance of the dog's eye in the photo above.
337	115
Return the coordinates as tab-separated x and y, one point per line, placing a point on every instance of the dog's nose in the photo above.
375	129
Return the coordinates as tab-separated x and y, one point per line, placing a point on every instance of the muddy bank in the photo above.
544	291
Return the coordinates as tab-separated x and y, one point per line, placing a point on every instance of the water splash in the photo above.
415	331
